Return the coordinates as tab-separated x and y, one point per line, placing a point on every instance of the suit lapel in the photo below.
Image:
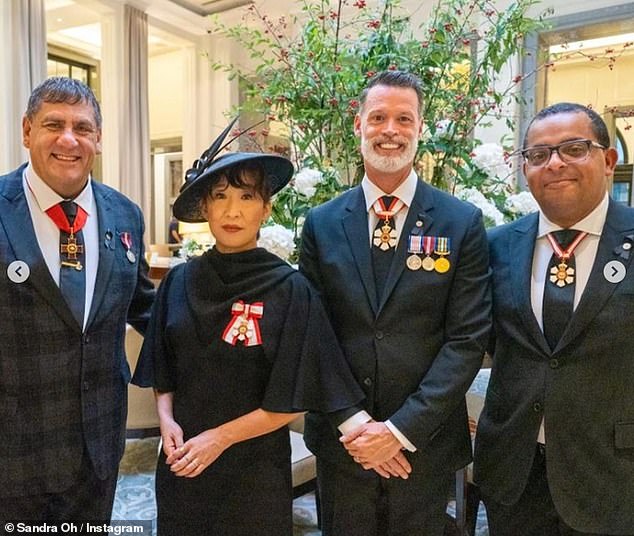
106	248
520	255
422	204
17	223
618	225
355	225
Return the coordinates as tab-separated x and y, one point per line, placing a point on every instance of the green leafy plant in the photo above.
305	75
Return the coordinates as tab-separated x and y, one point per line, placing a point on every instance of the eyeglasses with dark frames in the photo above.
568	152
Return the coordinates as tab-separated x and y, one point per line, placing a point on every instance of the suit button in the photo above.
86	339
537	407
554	363
85	386
367	382
379	335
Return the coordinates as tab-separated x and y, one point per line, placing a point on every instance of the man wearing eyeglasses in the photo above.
554	450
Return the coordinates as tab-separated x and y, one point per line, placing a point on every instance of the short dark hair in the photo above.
246	175
599	128
58	89
395	79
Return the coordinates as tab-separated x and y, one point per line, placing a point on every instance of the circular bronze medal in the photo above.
442	265
414	262
428	264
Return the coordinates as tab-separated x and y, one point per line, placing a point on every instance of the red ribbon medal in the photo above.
562	274
244	326
126	240
71	248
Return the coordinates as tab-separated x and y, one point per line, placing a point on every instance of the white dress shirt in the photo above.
584	253
40	197
405	192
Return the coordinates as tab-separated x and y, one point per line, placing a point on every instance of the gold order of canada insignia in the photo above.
385	237
562	275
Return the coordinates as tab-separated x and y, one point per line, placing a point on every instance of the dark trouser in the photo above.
88	499
355	502
534	514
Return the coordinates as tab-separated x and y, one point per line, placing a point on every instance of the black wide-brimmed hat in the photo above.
187	207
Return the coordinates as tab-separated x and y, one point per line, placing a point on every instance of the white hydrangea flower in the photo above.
489	210
278	240
306	181
489	157
521	203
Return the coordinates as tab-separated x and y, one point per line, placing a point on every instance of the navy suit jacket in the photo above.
63	391
583	389
415	351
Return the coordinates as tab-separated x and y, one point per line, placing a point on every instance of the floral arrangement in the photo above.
190	247
305	75
489	183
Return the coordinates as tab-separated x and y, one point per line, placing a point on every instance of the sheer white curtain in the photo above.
135	179
23	66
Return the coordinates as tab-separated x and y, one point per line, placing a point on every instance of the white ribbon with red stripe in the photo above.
384	212
244	326
562	254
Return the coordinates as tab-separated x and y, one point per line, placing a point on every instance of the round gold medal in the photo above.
414	262
442	265
428	264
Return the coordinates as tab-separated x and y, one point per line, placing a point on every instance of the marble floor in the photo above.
134	499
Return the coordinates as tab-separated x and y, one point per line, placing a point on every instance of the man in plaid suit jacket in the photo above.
63	378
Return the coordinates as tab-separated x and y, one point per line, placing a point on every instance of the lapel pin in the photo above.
107	241
625	248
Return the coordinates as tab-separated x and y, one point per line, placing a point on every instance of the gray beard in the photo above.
387	164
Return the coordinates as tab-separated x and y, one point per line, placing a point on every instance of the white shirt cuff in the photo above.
351	423
402	439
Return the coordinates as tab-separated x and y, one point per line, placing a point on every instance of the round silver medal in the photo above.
414	262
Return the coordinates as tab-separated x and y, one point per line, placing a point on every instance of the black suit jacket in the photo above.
583	389
63	390
416	351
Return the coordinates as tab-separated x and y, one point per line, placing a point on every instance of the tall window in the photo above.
61	66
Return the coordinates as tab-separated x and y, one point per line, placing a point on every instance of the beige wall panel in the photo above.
165	82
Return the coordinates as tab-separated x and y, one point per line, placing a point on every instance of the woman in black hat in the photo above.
237	347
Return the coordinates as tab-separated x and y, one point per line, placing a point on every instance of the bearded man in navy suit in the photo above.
554	450
72	272
403	271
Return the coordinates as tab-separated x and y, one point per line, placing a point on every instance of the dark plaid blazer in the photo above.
63	391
